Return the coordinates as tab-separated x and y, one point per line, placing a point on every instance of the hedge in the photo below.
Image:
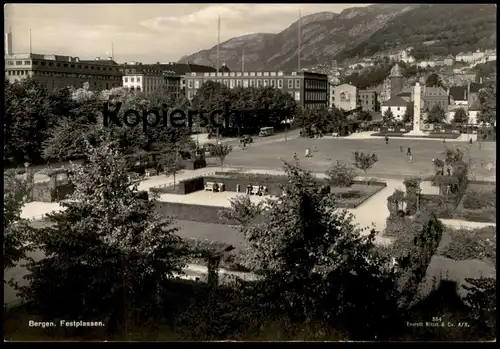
472	244
486	215
190	212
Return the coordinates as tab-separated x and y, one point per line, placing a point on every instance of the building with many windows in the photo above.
368	100
345	97
147	79
310	90
54	71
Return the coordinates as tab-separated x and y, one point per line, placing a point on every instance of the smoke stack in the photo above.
8	42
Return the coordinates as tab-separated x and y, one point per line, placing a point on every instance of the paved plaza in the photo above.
392	162
392	167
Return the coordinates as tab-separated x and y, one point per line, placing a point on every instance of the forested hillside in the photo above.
455	28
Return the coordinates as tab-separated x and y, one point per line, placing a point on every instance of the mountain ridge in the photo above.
329	35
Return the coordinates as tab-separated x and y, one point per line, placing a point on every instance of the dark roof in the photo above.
99	61
458	93
475	87
395	101
173	68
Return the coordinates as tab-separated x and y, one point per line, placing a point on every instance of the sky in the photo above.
146	33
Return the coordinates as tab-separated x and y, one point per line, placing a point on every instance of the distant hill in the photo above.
454	28
359	32
324	35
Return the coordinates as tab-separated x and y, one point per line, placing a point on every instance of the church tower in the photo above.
396	78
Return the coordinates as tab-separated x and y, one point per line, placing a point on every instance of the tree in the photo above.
312	258
482	300
108	255
28	115
408	116
388	116
221	151
170	163
212	96
364	161
487	100
460	116
15	228
436	115
416	261
341	175
433	80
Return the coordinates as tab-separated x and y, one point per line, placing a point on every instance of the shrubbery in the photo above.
472	244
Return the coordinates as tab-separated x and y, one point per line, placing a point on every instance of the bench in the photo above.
255	189
150	172
211	186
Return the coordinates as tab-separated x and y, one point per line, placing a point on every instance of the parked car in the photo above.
246	139
208	149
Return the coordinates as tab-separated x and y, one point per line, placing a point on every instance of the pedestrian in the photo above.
386	140
408	152
308	152
470	140
401	148
411	158
315	149
448	171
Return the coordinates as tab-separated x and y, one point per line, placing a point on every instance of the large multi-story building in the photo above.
368	100
148	79
310	90
435	96
345	97
54	71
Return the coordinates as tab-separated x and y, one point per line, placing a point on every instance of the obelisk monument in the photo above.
416	111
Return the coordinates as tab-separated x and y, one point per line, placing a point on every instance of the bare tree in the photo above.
364	161
221	151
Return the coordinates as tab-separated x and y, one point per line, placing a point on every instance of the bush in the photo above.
199	163
486	214
142	195
477	199
472	244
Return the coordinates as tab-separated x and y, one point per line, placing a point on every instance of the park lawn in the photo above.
356	194
434	135
478	204
392	161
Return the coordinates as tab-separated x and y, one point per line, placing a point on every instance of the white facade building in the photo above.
146	82
397	106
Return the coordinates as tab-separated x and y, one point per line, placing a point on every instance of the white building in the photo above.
474	111
467	57
143	80
405	56
397	106
425	64
344	97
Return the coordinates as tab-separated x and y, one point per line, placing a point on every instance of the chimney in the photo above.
8	43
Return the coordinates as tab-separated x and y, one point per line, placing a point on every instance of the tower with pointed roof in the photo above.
396	77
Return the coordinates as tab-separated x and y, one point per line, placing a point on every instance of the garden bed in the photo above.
350	197
466	244
478	204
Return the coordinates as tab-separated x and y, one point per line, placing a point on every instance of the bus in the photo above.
266	131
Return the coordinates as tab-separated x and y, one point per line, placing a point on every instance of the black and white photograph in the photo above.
212	172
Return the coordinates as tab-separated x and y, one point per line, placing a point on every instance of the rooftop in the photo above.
396	71
395	101
458	93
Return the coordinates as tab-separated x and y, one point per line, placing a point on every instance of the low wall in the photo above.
188	212
45	191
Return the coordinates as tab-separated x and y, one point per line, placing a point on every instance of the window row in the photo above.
315	96
247	83
315	84
63	65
